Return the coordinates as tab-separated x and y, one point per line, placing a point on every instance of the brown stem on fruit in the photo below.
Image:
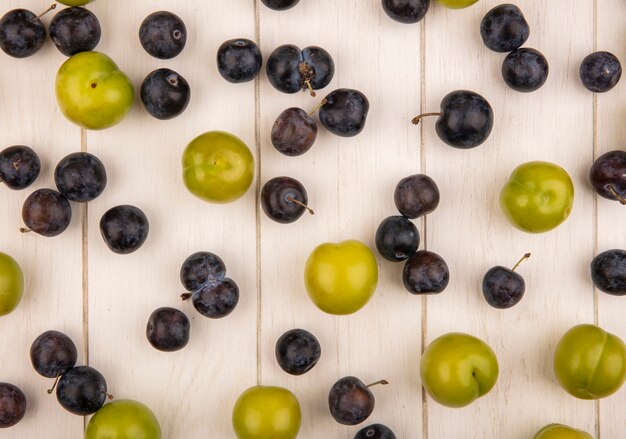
52	6
51	389
25	230
109	396
619	198
416	120
320	105
382	382
16	164
185	296
308	85
300	203
526	256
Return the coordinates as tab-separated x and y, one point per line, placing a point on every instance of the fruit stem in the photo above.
308	85
526	256
416	120
299	203
108	395
382	382
621	199
185	296
50	390
320	105
25	230
52	6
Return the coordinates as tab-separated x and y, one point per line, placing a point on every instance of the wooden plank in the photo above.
350	183
52	266
470	232
191	391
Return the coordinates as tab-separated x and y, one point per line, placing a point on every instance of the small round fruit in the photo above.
600	72
218	167
201	269
74	2
291	70
294	132
537	197
12	405
558	431
165	94
163	34
280	5
297	351
82	390
350	401
168	329
80	177
503	287
504	28
525	70
19	167
52	354
589	362
457	4
22	33
397	238
341	278
216	300
239	60
425	272
123	419
263	412
344	112
75	30
416	195
375	431
457	368
11	284
406	11
124	229
608	176
608	272
46	212
284	199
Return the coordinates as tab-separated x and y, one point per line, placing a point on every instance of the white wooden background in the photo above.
102	300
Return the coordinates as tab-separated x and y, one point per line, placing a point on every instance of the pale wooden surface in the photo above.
402	69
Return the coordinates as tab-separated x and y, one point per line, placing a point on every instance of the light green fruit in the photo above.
123	419
74	2
558	431
11	284
457	4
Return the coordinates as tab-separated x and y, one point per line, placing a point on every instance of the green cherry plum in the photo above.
538	197
456	4
456	369
123	419
341	278
92	91
11	284
264	412
589	362
558	431
218	167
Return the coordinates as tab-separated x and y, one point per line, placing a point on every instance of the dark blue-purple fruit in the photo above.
12	405
375	431
350	401
294	132
168	329
297	351
22	33
608	176
165	94
608	272
416	195
291	70
163	34
600	72
284	199
82	390
344	112
75	30
425	272
201	269
239	60
525	70
80	177
52	354
280	5
397	238
46	212
19	167
124	229
503	287
406	11
504	28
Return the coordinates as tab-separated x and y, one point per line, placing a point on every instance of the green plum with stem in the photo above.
123	419
11	284
74	2
457	4
558	431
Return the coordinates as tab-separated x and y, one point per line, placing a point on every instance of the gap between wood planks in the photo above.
84	211
595	204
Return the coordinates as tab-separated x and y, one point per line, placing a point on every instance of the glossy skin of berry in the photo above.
608	175
608	272
165	94
280	5
22	34
397	238
82	390
278	198
216	300
425	272
297	351
345	112
406	11
466	119
525	70
600	72
12	405
558	431
202	269
52	354
80	177
416	195
350	401
294	132
19	167
504	28
239	60
163	34
124	229
168	329
123	419
46	212
75	30
11	284
502	287
375	431
291	70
